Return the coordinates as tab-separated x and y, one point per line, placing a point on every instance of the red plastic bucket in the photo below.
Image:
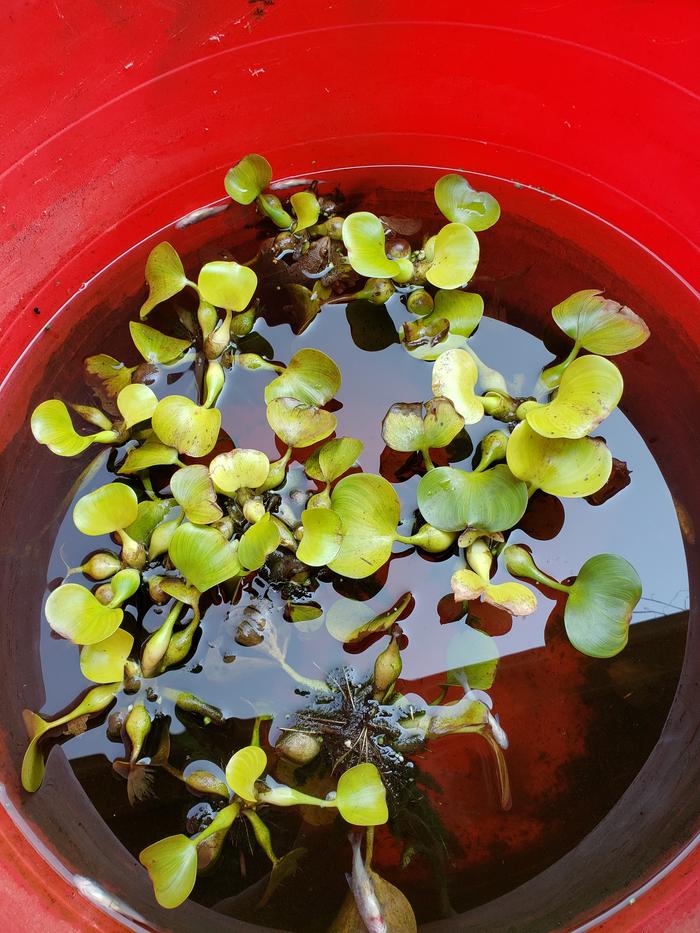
120	119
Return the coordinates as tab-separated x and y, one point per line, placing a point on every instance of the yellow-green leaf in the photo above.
103	662
172	866
106	509
239	468
194	491
364	239
244	768
191	429
227	285
598	324
590	389
154	346
51	425
455	257
136	403
203	556
311	377
454	376
559	466
73	612
248	178
165	276
299	425
459	202
368	508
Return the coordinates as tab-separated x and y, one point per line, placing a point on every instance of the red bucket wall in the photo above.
119	118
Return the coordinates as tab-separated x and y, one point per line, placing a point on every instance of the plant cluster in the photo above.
219	522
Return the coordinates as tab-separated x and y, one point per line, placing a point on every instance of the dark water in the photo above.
579	729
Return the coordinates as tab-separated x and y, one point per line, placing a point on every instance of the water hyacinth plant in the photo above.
192	519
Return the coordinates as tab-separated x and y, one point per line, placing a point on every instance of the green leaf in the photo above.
165	276
462	310
368	508
515	598
349	620
451	499
257	542
124	584
191	429
361	796
238	469
311	377
103	662
244	768
599	324
154	346
136	403
455	257
227	285
149	454
51	425
107	377
429	539
364	239
195	493
106	509
322	537
33	764
248	178
590	389
454	376
329	462
599	607
73	612
472	657
172	866
299	425
203	556
271	206
459	202
561	467
406	428
306	207
161	538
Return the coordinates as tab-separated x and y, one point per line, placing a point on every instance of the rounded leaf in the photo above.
451	499
306	208
195	493
299	425
455	257
227	284
191	429
462	310
203	556
73	612
136	402
150	514
336	457
590	389
406	428
106	509
154	346
322	537
515	598
467	585
599	606
149	454
238	469
165	276
561	467
599	324
368	508
458	201
51	425
172	866
454	376
257	542
244	768
364	239
361	796
103	662
311	377
248	178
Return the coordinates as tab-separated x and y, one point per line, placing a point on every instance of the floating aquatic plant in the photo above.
263	536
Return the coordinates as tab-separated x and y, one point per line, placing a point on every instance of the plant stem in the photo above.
426	458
